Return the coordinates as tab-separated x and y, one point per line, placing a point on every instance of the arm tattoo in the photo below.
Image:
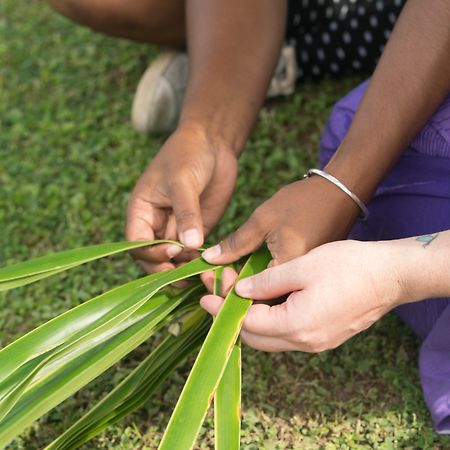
427	239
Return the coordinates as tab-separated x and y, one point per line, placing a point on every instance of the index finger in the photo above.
145	222
267	320
272	282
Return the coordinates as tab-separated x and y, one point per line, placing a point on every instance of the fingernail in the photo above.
212	253
191	238
244	288
173	250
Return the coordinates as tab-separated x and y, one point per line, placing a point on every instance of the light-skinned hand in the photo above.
333	292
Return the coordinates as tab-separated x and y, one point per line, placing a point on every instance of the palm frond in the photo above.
44	367
208	368
134	391
45	266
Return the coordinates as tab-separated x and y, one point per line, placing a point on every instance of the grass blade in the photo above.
45	266
134	391
208	368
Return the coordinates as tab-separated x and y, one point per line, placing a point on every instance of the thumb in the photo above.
186	209
272	283
243	241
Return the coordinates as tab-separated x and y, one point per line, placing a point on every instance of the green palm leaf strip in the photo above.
36	370
45	266
96	315
227	400
217	289
89	316
134	391
227	404
208	368
77	371
51	363
73	323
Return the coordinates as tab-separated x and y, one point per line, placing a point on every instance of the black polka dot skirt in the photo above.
338	37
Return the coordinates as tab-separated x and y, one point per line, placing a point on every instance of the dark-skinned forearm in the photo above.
233	49
409	83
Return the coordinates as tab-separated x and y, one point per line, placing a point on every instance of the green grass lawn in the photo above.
68	161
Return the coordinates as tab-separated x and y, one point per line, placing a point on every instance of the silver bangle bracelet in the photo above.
364	211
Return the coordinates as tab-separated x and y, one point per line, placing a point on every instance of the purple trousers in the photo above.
413	199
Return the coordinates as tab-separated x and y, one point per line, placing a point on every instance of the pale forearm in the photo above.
233	49
410	81
423	265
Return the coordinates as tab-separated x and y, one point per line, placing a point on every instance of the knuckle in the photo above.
310	342
181	179
260	219
266	280
186	215
232	242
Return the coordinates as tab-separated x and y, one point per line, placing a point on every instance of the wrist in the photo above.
421	270
356	170
214	139
339	200
364	212
396	274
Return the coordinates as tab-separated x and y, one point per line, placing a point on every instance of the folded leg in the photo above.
413	199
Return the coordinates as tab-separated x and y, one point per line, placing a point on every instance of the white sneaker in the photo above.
159	94
286	72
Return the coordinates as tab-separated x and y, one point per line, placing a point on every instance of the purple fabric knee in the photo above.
413	199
